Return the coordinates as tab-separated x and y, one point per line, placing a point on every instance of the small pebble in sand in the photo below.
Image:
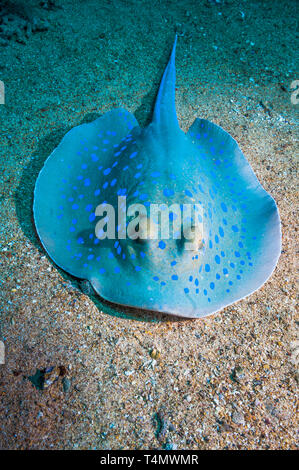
237	374
155	353
51	375
170	446
66	384
238	418
162	423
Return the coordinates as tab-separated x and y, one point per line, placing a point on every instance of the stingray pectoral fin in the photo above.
70	186
242	225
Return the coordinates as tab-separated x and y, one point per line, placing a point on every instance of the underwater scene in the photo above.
149	207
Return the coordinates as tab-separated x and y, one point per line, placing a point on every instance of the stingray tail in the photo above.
164	111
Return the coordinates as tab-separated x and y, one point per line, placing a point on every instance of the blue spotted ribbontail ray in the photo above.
233	228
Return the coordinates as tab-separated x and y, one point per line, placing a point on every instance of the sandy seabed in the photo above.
117	378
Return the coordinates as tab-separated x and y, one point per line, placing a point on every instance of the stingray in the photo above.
234	224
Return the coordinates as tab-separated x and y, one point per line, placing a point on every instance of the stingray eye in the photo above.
138	229
192	236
